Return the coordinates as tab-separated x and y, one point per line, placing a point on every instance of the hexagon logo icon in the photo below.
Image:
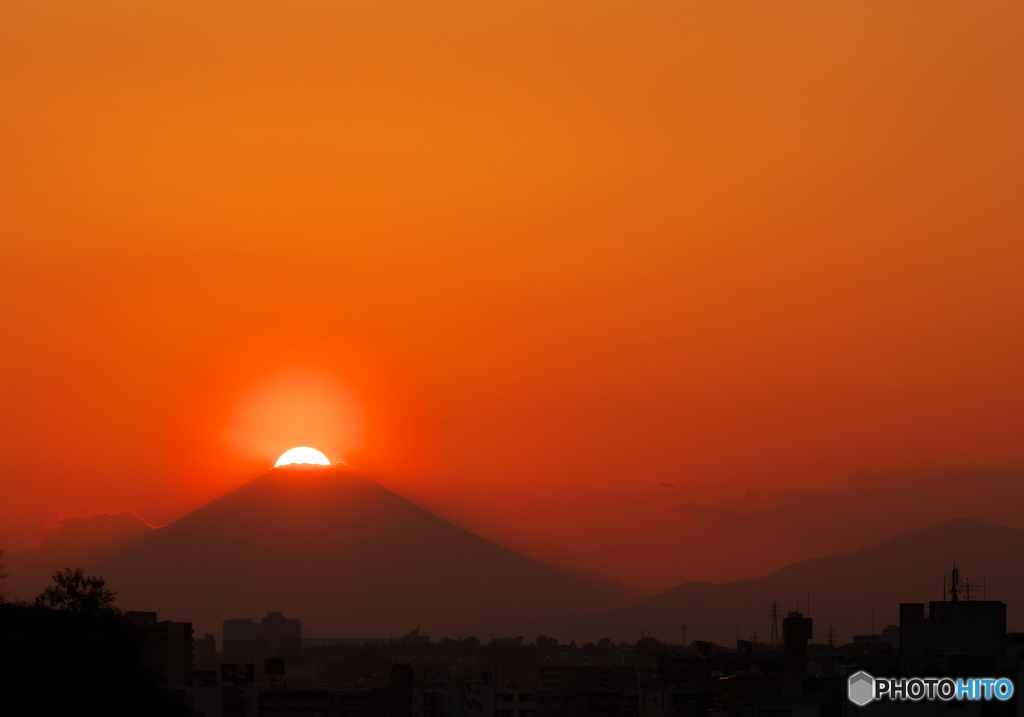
861	688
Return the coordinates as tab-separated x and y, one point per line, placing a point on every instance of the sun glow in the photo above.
302	454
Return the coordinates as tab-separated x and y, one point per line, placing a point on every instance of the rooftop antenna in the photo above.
831	634
954	586
773	611
808	603
969	588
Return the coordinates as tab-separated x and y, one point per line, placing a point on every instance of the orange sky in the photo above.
520	261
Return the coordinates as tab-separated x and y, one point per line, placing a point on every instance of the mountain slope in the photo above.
344	554
848	590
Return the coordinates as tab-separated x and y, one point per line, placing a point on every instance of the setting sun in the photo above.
302	455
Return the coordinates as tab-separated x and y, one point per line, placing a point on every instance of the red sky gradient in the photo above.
519	261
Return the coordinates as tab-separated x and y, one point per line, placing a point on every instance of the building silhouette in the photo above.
251	643
166	647
204	652
973	628
797	631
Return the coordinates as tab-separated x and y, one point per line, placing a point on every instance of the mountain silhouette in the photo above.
849	591
344	554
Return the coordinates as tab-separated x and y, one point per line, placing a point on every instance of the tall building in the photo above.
278	636
958	626
797	631
166	647
239	642
974	628
205	654
251	643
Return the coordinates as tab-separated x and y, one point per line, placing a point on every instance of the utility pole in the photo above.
773	611
582	693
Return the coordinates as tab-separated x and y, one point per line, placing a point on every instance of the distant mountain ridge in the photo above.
848	591
352	559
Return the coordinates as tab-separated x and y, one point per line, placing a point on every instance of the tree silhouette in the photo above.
546	644
86	664
73	591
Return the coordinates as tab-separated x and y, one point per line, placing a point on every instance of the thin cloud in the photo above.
849	516
54	525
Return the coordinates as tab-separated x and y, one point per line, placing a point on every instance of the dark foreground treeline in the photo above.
87	664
